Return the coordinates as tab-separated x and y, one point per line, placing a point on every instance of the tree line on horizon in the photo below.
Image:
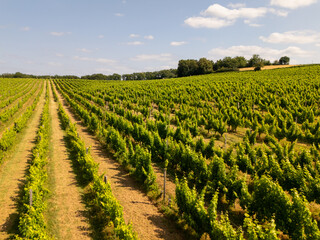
188	67
192	67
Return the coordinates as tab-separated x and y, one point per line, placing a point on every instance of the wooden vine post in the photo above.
30	197
164	179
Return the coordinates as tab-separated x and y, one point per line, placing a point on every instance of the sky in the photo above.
81	37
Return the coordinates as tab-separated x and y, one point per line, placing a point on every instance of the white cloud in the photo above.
292	4
149	37
83	58
203	22
237	5
84	50
119	14
153	57
100	36
98	60
279	13
133	35
178	43
104	60
59	55
218	11
300	37
246	21
59	34
255	25
217	16
135	43
115	69
248	51
25	29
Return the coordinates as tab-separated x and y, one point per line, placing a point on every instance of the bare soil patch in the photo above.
267	67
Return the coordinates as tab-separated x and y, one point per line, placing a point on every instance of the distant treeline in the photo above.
192	67
170	73
187	67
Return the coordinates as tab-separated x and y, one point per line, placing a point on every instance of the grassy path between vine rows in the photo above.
147	221
66	214
13	170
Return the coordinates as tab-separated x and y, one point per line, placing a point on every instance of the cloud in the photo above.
153	57
218	11
237	5
217	16
300	37
203	22
279	13
292	4
115	69
59	34
149	37
98	60
133	35
178	43
84	50
252	24
119	14
135	43
248	51
25	29
104	60
59	55
100	36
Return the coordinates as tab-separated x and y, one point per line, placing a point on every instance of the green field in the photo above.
244	147
85	158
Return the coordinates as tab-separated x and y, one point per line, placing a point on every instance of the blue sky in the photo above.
123	36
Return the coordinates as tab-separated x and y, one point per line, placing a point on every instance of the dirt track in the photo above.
66	214
147	221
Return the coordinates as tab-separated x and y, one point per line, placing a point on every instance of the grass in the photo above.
51	212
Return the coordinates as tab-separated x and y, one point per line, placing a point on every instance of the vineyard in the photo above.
222	156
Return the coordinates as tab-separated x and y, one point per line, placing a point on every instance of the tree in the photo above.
284	60
256	61
187	67
116	76
205	66
241	62
183	68
229	62
276	62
